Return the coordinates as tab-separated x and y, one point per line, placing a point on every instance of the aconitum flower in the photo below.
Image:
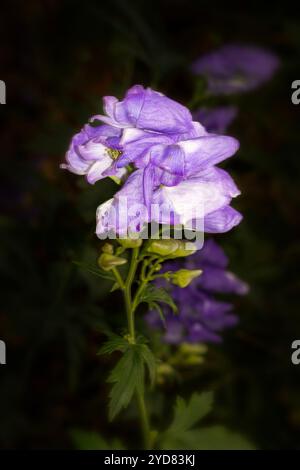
236	68
92	153
175	178
201	317
169	161
147	109
201	200
216	120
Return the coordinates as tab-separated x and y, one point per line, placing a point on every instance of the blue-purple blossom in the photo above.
236	68
92	153
201	317
147	109
176	182
172	177
205	196
216	120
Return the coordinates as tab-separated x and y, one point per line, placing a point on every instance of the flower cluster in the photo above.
165	160
201	317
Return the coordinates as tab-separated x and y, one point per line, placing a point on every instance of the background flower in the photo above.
236	68
216	120
201	317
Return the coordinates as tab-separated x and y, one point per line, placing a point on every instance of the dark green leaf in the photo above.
114	343
149	360
88	440
127	377
187	414
153	295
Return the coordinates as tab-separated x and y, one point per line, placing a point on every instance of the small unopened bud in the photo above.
193	348
184	277
194	360
108	248
130	242
107	261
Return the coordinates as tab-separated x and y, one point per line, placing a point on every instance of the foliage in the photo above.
182	433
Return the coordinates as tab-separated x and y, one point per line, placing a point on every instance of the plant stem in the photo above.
130	308
127	293
144	421
118	278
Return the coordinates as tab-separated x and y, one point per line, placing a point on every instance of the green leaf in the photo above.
182	434
219	438
153	295
93	270
114	343
127	377
89	440
187	414
149	360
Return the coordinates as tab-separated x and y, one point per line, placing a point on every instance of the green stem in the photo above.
127	293
144	280
144	421
130	309
118	278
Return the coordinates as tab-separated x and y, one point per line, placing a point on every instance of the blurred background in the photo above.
58	58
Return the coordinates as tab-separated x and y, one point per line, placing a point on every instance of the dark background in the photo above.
58	58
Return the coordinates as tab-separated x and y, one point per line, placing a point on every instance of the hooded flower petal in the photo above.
207	151
222	220
197	197
147	109
126	213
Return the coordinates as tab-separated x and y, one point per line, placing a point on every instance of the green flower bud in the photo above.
108	248
162	247
182	249
106	261
130	242
184	277
192	349
194	360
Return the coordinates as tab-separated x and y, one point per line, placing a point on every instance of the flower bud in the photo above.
107	261
182	249
194	360
192	348
184	277
130	242
162	247
108	248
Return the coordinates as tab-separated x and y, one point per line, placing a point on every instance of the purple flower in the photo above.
176	182
236	68
92	153
146	109
204	197
201	317
173	178
216	120
175	157
215	276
